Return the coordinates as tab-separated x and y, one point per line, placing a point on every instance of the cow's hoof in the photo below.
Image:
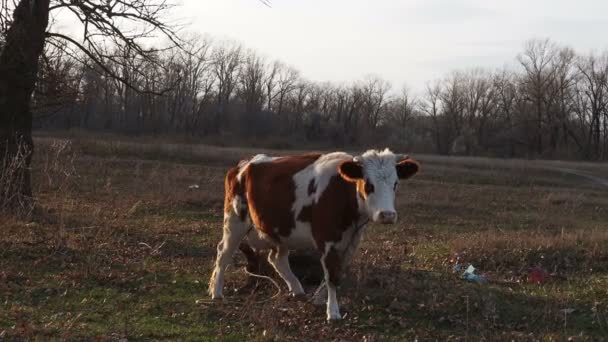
300	297
333	314
250	287
334	317
217	297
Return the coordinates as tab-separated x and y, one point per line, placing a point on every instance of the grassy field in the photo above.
126	246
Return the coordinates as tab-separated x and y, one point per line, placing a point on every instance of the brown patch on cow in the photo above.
353	172
312	187
271	192
243	212
368	187
350	170
305	214
407	168
335	212
253	259
333	264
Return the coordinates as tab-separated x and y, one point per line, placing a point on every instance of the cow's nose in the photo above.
388	217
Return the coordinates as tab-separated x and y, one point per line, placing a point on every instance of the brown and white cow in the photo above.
308	201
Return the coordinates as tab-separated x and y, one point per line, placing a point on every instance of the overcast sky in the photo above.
403	41
407	41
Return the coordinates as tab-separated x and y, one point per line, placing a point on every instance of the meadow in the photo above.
124	246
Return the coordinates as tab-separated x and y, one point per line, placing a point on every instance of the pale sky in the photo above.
407	41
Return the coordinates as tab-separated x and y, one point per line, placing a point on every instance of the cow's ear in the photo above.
407	168
351	170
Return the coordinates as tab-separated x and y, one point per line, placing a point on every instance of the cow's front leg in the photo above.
332	267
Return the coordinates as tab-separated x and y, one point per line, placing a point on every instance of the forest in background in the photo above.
551	104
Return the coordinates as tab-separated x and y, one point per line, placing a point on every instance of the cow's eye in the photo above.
369	187
395	186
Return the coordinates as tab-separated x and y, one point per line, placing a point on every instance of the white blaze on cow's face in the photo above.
377	175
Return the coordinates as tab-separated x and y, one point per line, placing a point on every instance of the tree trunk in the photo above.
539	129
18	72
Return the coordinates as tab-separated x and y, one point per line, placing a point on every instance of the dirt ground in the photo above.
126	242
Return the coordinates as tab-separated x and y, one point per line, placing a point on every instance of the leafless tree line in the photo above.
553	104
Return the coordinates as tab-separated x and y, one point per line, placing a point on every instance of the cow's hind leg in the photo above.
279	259
319	297
253	266
235	230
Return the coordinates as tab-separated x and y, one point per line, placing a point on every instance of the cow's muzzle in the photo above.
386	217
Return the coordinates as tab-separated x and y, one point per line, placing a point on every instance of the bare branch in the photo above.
95	58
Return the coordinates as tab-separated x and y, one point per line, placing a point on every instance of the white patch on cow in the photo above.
259	240
379	169
325	168
321	172
238	204
257	159
333	309
300	237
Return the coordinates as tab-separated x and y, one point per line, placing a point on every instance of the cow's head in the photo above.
377	175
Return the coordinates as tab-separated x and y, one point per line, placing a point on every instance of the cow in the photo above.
318	201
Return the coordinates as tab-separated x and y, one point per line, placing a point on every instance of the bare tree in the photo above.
57	90
561	96
402	109
374	91
592	104
299	100
199	80
102	21
287	78
507	100
251	82
537	60
353	114
453	104
405	107
270	84
478	106
432	106
227	59
18	71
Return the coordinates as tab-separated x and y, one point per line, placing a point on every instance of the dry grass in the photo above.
127	248
569	253
11	177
